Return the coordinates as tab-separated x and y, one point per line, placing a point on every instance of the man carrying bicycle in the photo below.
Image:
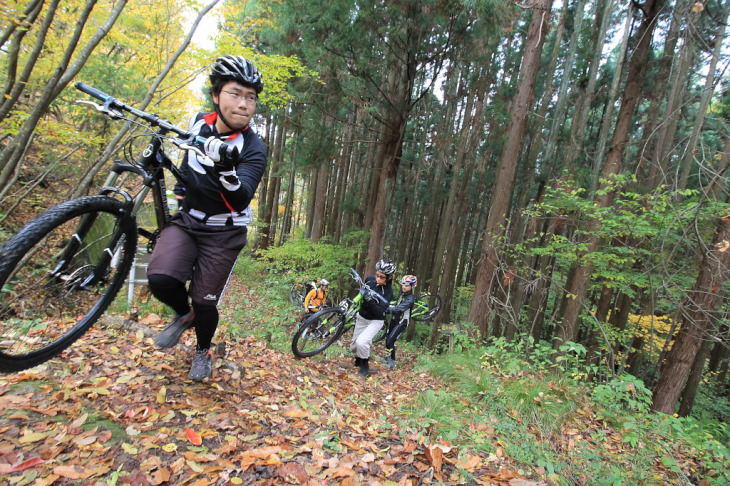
400	316
371	317
316	298
204	238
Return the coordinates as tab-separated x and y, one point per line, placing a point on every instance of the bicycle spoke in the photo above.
57	279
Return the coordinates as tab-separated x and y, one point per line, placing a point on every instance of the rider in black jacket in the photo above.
371	317
203	240
401	313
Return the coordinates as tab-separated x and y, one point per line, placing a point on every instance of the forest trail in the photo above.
113	409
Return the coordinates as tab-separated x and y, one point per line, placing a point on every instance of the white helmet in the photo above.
323	282
387	266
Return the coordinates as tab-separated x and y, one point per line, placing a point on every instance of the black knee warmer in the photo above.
206	322
169	291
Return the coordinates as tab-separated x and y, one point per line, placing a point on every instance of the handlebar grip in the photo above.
99	95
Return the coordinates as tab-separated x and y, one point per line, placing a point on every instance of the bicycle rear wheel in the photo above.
297	293
58	274
318	332
423	309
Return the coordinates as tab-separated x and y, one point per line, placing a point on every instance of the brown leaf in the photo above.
71	472
468	462
341	472
162	475
293	473
435	456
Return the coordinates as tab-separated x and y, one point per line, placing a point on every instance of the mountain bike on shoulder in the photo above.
61	271
325	327
299	291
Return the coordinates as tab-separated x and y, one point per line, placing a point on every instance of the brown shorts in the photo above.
188	249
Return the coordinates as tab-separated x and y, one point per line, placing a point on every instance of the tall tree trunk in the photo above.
668	128
710	85
693	382
697	311
575	298
658	93
566	80
507	167
578	126
613	93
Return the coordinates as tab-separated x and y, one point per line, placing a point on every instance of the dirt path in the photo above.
115	410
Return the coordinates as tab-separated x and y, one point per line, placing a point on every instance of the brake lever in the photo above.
113	114
187	146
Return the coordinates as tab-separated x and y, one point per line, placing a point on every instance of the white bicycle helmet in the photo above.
324	282
386	266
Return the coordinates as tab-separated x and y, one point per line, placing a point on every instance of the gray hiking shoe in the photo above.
388	361
171	334
201	368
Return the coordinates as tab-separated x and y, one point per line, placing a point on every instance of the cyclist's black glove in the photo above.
365	292
390	310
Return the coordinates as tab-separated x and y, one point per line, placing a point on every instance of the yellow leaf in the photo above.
161	395
32	437
171	447
195	466
129	449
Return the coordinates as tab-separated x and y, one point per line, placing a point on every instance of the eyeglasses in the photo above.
249	98
380	275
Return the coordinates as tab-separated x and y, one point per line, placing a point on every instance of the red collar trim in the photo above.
211	118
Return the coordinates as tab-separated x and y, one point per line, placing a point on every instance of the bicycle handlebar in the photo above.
154	120
356	277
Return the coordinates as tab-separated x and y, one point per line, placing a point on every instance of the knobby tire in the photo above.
321	330
52	295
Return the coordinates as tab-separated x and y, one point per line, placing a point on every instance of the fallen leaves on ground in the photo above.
113	409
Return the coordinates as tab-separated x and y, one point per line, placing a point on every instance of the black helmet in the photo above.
236	68
387	266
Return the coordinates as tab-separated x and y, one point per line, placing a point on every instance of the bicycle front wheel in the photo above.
318	332
58	275
426	307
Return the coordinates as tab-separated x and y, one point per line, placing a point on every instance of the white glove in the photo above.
213	147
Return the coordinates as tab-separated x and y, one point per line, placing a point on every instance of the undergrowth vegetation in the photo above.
511	398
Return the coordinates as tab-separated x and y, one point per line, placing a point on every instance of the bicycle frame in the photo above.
150	166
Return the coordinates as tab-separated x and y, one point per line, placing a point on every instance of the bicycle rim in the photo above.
297	295
58	275
318	332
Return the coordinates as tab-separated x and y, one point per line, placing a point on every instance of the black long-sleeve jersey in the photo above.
222	199
374	310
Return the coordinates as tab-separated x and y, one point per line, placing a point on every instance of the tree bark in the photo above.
507	167
697	311
575	298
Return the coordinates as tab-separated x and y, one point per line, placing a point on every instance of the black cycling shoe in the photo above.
364	367
171	334
202	366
